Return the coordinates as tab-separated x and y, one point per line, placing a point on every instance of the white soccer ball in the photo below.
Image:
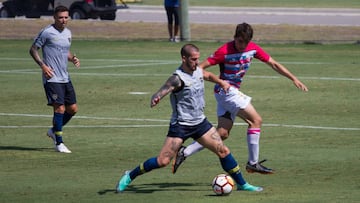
223	184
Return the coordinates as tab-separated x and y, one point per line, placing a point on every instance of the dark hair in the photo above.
60	9
244	31
187	49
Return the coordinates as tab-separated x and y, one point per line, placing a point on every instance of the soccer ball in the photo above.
222	184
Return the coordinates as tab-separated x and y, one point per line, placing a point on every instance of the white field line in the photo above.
99	60
157	62
165	75
147	125
232	11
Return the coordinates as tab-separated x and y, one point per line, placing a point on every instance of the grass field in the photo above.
311	139
267	3
259	3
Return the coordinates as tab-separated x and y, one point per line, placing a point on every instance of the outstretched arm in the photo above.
285	72
172	83
209	76
204	64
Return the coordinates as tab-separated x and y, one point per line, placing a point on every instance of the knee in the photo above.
256	122
223	151
163	162
224	133
72	109
59	109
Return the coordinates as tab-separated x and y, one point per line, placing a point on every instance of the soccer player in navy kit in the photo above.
186	86
55	42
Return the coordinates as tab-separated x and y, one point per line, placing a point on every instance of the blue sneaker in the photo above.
248	187
123	182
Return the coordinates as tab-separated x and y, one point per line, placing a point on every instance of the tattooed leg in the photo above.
213	142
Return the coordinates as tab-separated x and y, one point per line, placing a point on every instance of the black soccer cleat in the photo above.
258	168
178	159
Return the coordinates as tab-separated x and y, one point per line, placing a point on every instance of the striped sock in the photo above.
145	167
57	127
230	165
253	138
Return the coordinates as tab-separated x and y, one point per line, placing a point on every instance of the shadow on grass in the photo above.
156	187
18	148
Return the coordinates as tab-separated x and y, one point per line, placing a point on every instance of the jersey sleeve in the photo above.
261	54
40	39
217	57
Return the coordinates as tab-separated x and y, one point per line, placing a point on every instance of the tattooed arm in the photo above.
172	84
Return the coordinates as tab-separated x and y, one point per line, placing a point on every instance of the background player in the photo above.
55	42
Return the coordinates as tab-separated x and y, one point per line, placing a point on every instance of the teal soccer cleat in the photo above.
123	182
248	187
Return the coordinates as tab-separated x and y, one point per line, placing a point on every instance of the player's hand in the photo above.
225	85
76	61
48	72
300	85
154	100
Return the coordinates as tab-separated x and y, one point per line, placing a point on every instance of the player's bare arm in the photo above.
209	76
172	84
48	72
285	72
204	64
74	59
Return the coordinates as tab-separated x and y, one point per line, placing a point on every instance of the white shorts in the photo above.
231	101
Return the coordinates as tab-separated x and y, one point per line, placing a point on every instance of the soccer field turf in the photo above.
269	3
311	139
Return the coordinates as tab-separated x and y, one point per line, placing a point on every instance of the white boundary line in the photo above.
147	126
157	62
144	63
163	75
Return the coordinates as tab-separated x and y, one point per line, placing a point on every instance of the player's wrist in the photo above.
41	64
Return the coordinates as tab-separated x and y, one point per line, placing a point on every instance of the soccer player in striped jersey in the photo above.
234	59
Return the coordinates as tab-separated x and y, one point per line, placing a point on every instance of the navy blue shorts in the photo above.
60	93
185	132
172	14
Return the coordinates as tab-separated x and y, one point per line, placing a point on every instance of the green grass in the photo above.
311	139
270	3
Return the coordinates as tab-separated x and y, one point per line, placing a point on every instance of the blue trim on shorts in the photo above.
185	132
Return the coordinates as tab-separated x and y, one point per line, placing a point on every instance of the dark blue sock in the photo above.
57	126
145	167
230	165
66	118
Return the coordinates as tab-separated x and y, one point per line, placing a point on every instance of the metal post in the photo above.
184	21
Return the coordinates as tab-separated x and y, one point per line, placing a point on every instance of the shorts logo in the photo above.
54	96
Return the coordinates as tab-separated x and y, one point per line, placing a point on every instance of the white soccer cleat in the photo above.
62	148
51	134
